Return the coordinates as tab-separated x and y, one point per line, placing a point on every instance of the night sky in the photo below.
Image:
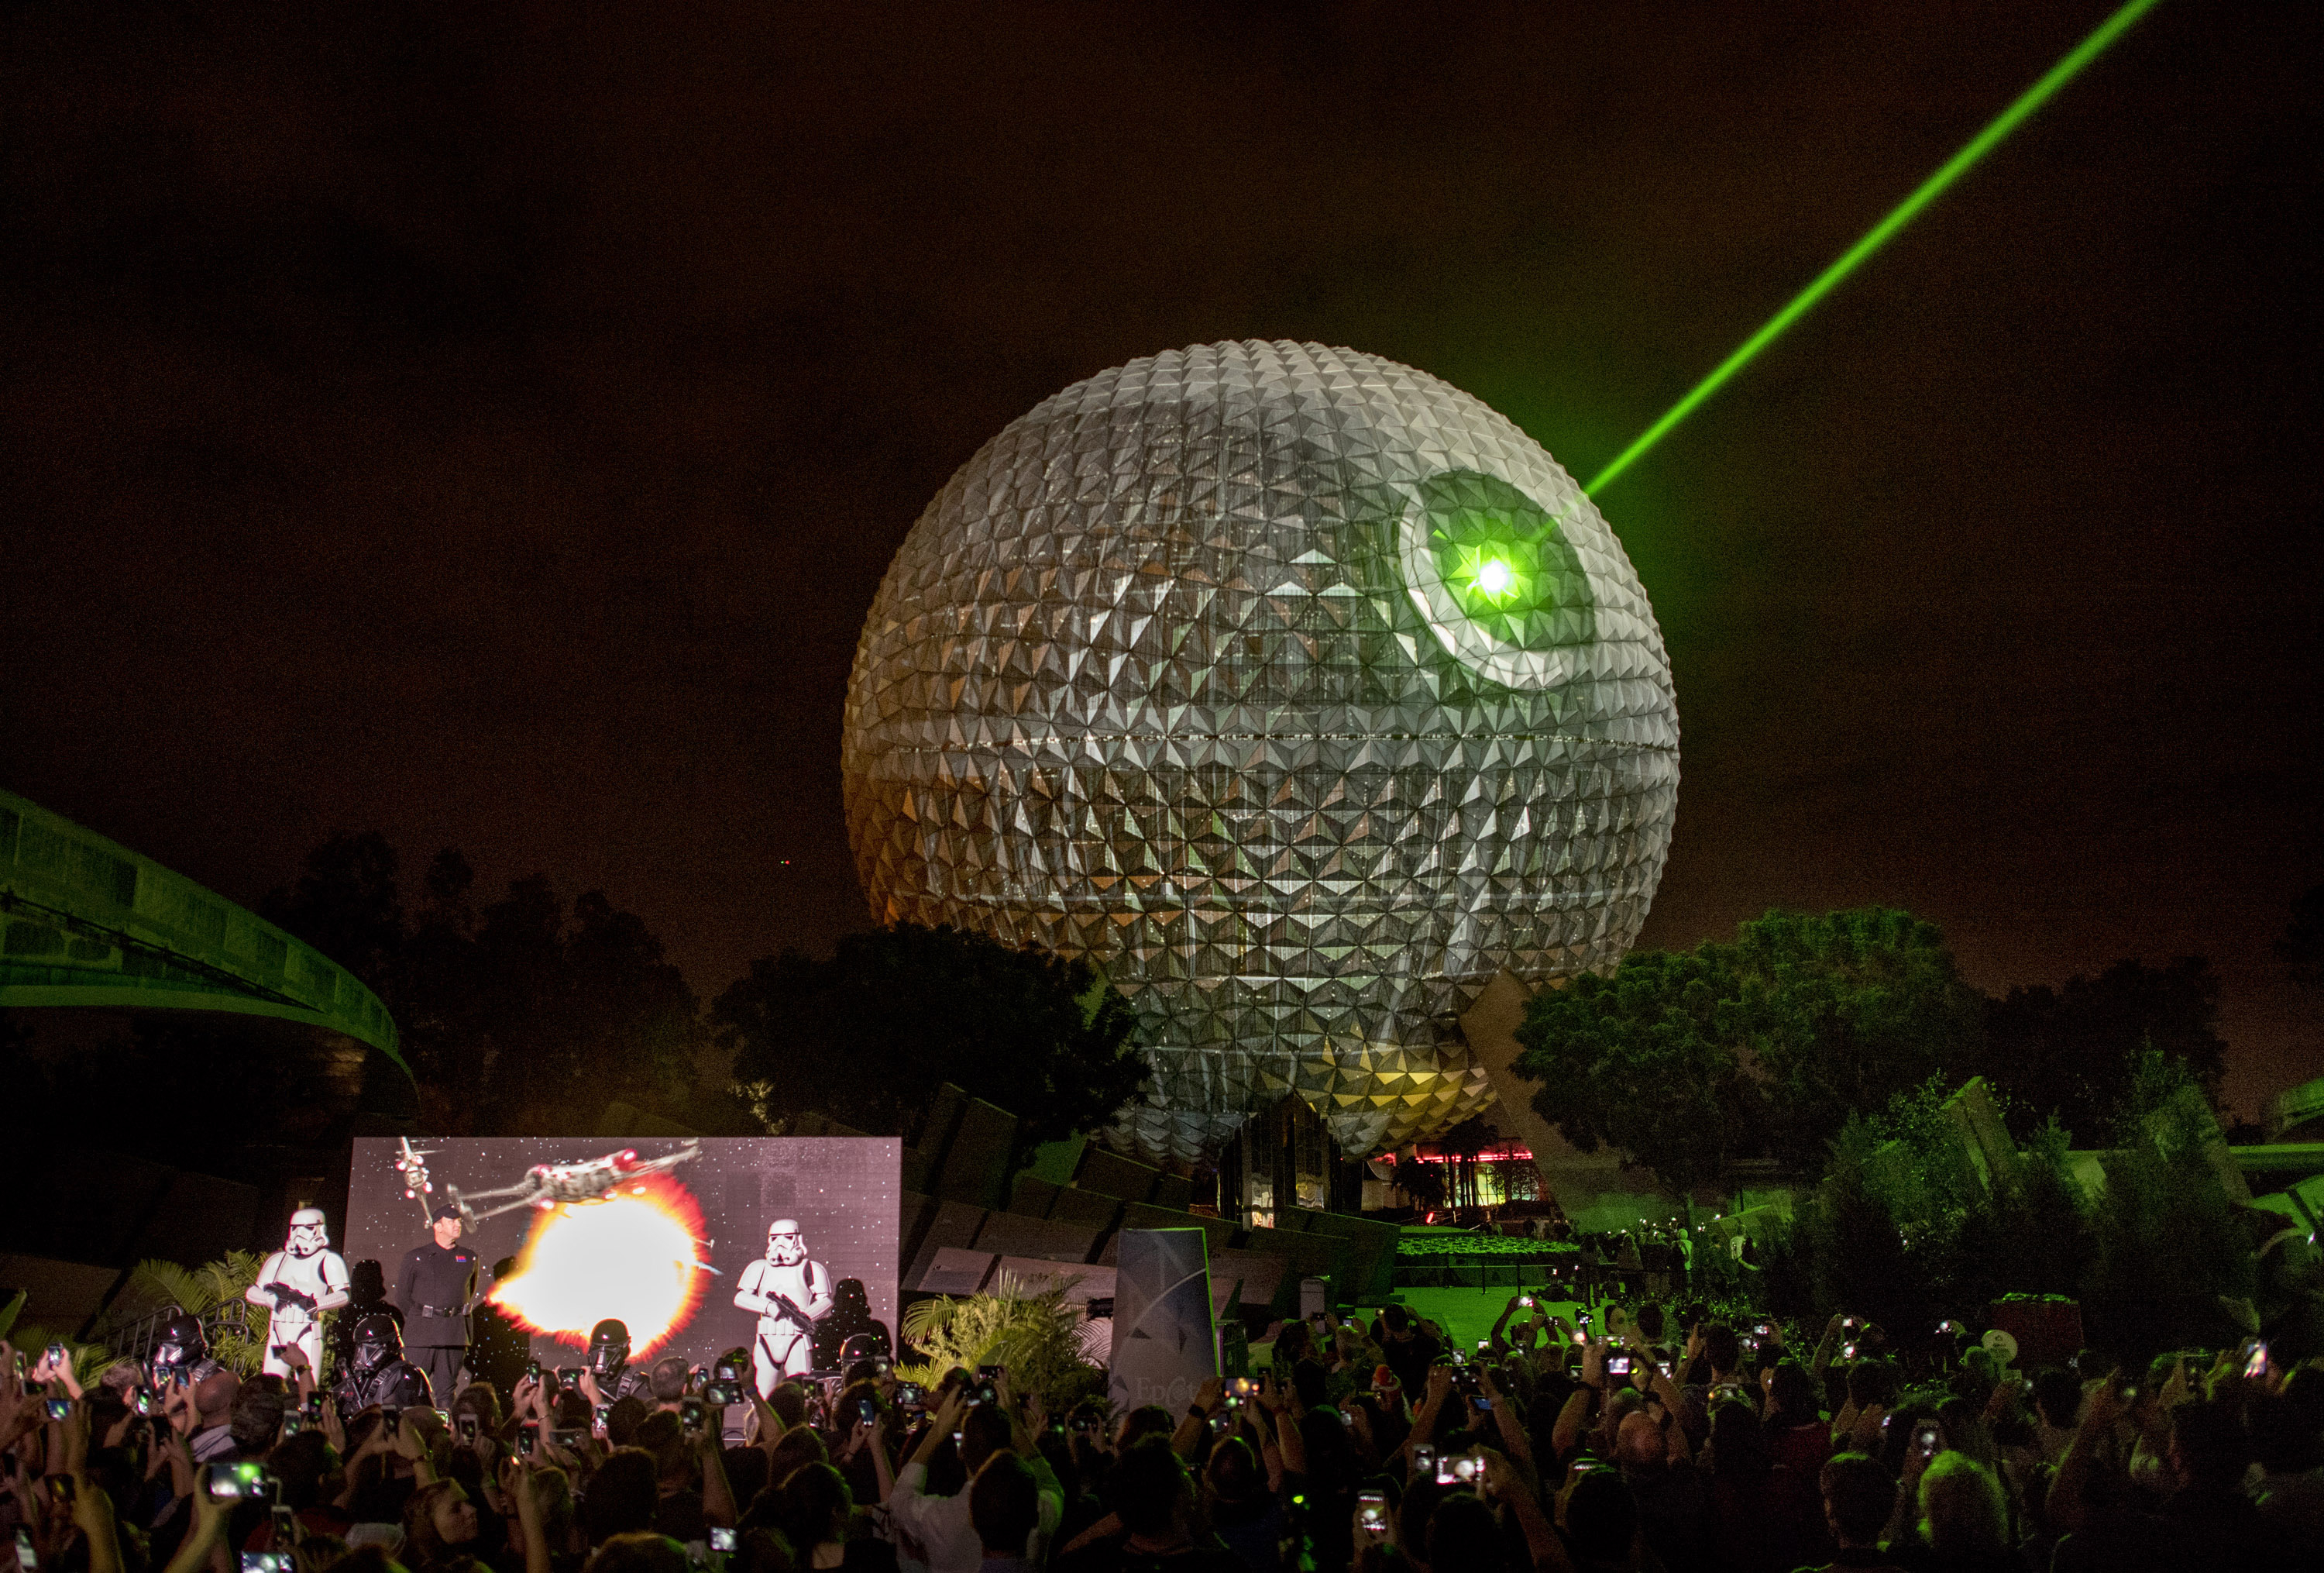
488	423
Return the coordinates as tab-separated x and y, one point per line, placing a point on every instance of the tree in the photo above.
1762	1048
1646	1061
527	1016
868	1035
1843	1012
2070	1053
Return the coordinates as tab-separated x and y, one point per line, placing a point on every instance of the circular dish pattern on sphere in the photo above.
1299	691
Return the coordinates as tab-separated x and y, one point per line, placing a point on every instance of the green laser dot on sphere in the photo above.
1494	579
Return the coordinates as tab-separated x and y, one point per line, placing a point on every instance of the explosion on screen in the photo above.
637	1256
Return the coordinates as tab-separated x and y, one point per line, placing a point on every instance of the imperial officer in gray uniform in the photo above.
435	1291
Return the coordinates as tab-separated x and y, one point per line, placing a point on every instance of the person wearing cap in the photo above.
435	1290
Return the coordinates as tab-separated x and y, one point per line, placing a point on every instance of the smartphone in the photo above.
1848	1351
689	1414
1617	1365
468	1430
26	1562
987	1393
2255	1363
722	1394
1459	1358
1371	1513
528	1438
145	1401
237	1481
315	1405
1761	1329
1483	1405
1526	1301
568	1378
1221	1423
1927	1440
1444	1474
1583	1317
991	1373
721	1540
568	1440
56	1355
267	1562
1243	1386
532	1371
1423	1460
292	1424
911	1394
598	1416
1468	1468
60	1409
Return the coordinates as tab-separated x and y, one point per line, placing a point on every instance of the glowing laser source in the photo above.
1983	143
636	1256
1494	578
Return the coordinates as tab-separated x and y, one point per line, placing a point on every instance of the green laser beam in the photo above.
2008	121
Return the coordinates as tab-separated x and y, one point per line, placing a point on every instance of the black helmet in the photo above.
609	1348
377	1341
181	1342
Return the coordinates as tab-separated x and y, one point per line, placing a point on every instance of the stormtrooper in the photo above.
379	1373
299	1282
789	1292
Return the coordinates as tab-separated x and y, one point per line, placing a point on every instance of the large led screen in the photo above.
662	1234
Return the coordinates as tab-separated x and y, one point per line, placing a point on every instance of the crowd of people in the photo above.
1642	1437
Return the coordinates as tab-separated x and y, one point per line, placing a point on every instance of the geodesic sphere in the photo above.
1296	689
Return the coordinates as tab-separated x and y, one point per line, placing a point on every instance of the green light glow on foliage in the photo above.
1983	143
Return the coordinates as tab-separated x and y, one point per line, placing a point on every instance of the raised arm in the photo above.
1826	1347
1187	1440
717	1496
1281	1401
1506	1484
2069	1506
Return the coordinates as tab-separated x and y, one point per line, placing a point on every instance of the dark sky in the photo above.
488	423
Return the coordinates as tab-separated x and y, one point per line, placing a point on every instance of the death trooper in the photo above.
789	1292
379	1373
609	1367
299	1283
181	1354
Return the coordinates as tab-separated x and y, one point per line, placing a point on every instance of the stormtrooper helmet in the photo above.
181	1343
309	1232
609	1348
378	1341
785	1246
